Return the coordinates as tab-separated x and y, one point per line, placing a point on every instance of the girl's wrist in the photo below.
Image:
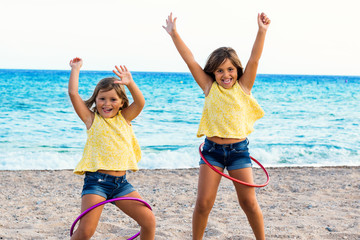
75	69
262	30
174	34
131	83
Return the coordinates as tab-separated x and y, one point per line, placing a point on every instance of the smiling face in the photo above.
226	74
220	57
108	103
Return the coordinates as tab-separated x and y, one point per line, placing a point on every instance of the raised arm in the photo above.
248	78
73	88
134	109
202	79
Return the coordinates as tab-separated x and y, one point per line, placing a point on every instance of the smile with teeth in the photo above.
227	81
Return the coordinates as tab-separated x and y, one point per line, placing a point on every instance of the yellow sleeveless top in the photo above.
229	113
111	145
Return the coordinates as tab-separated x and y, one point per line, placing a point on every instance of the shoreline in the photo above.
299	202
255	166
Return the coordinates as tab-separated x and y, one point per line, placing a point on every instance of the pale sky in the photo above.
318	37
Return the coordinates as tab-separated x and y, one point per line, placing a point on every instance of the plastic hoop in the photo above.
234	179
104	202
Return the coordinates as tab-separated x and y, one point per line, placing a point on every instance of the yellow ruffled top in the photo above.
111	145
229	113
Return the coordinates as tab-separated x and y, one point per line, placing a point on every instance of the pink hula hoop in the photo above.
234	179
104	202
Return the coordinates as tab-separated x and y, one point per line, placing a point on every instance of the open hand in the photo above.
170	25
263	21
124	75
76	63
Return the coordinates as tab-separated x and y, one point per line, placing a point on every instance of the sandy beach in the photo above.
299	203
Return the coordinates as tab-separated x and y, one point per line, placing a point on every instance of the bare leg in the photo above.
141	214
208	185
248	202
89	221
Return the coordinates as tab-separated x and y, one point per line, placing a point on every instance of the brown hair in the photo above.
105	85
218	56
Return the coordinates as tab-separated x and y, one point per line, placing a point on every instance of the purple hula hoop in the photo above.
104	202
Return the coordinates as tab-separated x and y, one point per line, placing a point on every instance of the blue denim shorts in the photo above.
232	156
106	185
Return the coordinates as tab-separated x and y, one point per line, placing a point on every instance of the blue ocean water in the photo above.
309	120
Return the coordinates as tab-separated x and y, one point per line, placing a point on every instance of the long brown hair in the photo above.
105	85
217	57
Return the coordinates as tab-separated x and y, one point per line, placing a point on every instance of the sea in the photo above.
309	120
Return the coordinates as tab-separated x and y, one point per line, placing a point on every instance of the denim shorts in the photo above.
106	185
232	156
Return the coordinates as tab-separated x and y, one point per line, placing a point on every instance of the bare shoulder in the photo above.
244	87
207	87
90	120
127	114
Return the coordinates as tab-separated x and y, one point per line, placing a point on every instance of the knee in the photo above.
148	221
250	205
203	206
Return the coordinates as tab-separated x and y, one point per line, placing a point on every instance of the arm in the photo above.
134	109
248	78
79	105
202	79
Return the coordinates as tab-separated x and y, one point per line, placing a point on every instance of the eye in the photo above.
102	99
231	69
219	71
